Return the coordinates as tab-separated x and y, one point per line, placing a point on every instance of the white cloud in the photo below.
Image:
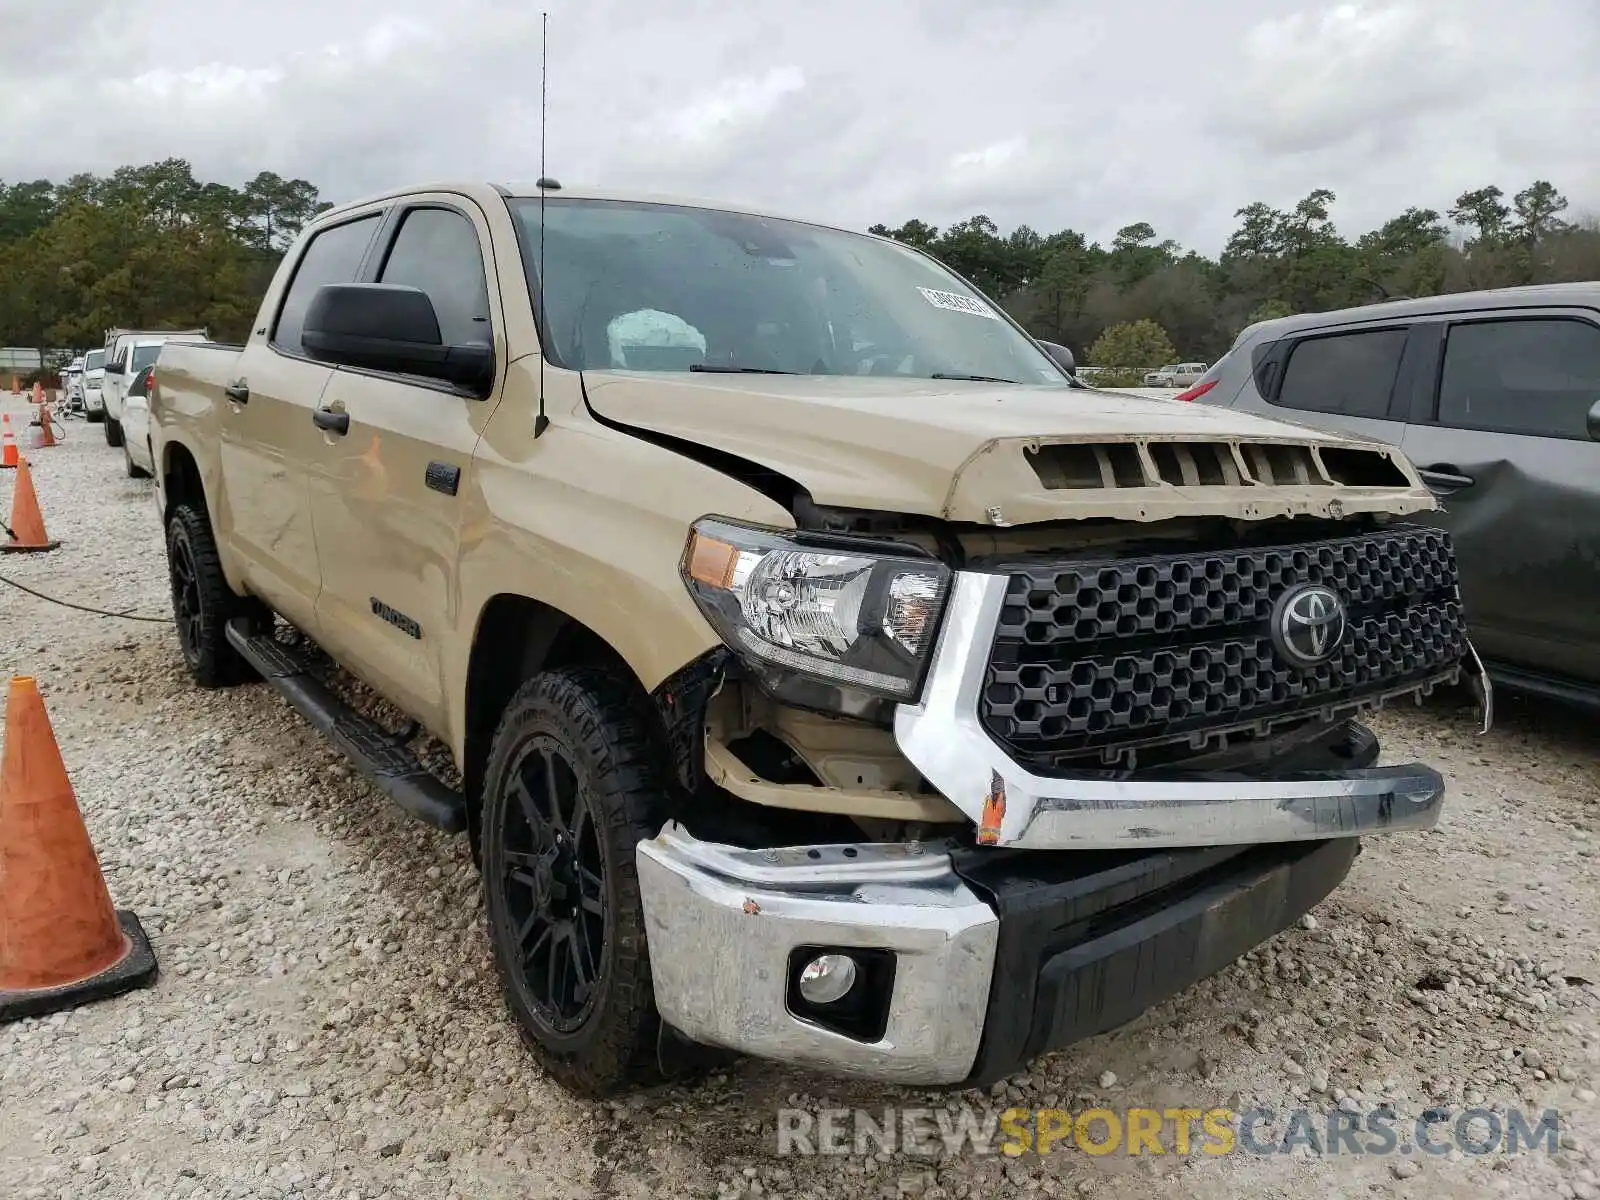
1026	110
1315	79
991	159
734	105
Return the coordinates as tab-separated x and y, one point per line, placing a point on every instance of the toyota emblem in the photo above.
1308	624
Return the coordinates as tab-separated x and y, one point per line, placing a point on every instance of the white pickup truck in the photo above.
127	352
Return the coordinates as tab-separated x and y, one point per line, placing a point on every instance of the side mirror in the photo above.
387	327
1062	356
113	369
1594	420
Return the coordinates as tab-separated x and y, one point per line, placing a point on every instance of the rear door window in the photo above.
1536	376
333	256
1345	374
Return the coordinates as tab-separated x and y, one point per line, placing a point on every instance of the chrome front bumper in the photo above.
723	924
941	736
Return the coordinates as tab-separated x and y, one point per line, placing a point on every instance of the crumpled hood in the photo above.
1012	454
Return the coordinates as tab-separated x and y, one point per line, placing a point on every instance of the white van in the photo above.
121	367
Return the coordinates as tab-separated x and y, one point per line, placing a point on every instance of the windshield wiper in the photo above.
720	369
974	378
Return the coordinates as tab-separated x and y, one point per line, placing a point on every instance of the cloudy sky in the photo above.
1054	112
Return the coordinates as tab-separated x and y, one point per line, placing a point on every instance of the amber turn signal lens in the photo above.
712	562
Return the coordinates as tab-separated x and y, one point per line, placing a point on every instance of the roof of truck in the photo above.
532	190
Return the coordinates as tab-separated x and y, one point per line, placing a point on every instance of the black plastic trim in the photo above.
1576	692
680	702
374	751
862	1014
1090	941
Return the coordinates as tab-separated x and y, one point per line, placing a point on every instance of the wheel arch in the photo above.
516	637
181	478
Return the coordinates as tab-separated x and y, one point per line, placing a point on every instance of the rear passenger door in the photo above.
1501	434
1346	379
386	494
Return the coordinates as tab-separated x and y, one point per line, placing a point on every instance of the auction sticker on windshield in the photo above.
956	302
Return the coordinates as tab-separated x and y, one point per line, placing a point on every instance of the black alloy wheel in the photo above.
203	603
553	876
572	785
185	596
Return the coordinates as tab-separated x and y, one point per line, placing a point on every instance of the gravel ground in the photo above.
326	1021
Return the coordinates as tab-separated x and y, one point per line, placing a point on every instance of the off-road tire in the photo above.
113	431
592	716
209	655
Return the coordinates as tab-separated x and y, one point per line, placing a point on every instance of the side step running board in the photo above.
393	769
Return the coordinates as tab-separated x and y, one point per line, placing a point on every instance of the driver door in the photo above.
386	491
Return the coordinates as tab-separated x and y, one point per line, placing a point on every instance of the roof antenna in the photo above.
542	422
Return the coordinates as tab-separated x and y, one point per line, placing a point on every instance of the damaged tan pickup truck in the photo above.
830	678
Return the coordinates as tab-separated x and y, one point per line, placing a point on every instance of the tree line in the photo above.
146	247
1144	300
153	247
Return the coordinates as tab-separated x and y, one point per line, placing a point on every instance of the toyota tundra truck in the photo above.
827	679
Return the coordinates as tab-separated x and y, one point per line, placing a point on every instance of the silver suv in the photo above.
1181	375
1495	396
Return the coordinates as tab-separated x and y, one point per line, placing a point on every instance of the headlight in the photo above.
803	610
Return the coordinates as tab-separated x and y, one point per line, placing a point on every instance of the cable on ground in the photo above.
125	615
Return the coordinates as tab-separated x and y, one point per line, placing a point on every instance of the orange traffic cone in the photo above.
62	943
8	444
47	433
27	535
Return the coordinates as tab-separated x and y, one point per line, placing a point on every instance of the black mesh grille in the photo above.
1105	655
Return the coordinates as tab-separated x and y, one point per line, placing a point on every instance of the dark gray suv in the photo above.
1495	396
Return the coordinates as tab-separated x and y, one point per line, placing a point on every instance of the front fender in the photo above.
592	522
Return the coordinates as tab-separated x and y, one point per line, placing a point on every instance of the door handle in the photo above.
332	421
1443	478
239	392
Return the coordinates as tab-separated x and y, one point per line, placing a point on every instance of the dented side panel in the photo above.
1527	535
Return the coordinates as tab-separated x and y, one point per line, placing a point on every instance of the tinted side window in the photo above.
334	256
1537	377
1348	374
437	251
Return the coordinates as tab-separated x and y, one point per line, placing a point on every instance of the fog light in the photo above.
827	978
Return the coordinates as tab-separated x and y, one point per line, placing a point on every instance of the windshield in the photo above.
94	360
654	287
143	356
